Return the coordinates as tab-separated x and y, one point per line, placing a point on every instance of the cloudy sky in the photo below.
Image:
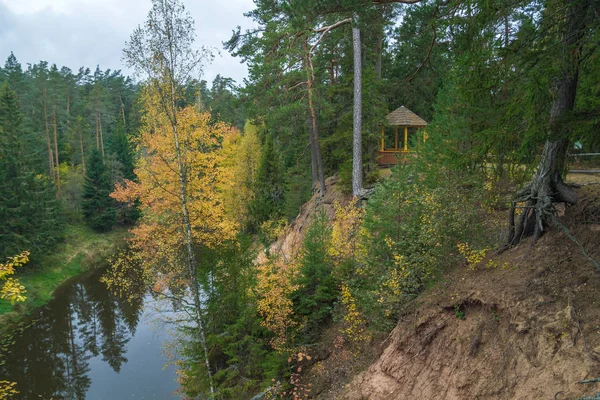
87	33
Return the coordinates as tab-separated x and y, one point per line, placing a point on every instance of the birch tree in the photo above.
163	51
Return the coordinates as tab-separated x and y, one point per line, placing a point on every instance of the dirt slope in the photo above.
530	330
289	243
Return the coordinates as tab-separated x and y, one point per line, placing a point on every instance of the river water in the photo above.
89	344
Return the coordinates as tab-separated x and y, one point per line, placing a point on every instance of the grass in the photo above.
82	250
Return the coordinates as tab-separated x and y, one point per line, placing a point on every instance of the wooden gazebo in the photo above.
414	131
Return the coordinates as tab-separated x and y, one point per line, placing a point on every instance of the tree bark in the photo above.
57	164
315	145
313	158
357	184
192	263
47	131
123	111
547	186
97	133
101	137
81	148
379	45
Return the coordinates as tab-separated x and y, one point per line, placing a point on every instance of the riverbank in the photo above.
82	249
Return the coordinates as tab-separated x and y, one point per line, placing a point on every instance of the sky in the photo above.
76	33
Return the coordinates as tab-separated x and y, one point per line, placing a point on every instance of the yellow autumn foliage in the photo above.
12	290
8	389
345	233
355	323
241	158
274	286
172	163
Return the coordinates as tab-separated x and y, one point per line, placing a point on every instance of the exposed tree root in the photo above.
546	189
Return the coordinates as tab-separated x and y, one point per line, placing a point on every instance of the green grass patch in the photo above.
82	250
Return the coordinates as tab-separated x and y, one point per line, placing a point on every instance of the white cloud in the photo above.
87	33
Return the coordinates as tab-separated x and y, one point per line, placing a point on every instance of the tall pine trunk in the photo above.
47	131
313	160
123	112
57	164
97	132
81	148
315	146
357	183
101	137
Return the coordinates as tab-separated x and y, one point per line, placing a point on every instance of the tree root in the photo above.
539	197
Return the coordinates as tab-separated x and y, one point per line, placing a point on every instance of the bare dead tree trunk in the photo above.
47	131
547	186
97	132
101	138
81	148
123	111
357	184
57	164
68	110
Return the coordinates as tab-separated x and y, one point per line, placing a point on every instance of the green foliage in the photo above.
225	104
126	214
459	312
72	183
81	249
29	211
270	184
412	225
98	208
317	288
238	343
121	148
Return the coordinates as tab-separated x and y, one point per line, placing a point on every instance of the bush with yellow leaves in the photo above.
411	226
12	290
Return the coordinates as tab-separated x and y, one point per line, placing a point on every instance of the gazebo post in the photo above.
401	117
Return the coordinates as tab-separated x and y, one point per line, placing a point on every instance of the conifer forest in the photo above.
396	199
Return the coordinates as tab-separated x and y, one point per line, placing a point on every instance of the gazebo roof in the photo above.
402	116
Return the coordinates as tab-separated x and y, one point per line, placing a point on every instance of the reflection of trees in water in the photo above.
51	358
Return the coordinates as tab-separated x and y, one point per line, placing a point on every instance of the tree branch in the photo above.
323	31
410	78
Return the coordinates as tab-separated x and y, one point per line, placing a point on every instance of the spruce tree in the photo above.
122	150
270	186
317	288
98	208
29	211
126	214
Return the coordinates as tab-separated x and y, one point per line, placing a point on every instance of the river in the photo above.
89	344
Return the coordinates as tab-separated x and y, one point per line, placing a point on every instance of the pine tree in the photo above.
98	207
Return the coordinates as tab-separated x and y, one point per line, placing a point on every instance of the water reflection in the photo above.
80	344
